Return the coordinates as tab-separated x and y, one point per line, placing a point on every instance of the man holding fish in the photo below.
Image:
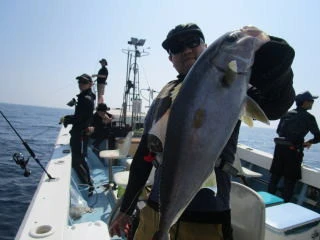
192	128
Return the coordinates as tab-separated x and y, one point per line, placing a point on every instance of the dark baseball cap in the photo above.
305	96
102	107
180	30
103	60
84	78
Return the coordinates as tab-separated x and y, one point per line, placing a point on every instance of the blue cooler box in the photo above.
291	221
270	199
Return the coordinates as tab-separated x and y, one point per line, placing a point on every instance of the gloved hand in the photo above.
88	131
272	66
65	120
272	77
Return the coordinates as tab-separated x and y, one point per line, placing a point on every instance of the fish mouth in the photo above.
255	32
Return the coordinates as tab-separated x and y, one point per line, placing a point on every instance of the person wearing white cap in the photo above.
101	79
288	153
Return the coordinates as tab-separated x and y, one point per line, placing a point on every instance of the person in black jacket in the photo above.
101	126
80	121
208	216
101	79
288	153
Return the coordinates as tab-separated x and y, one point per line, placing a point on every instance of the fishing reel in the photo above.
19	159
72	102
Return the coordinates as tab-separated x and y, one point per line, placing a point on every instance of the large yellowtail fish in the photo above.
211	100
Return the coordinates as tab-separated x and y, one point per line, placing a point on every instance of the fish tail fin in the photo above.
161	236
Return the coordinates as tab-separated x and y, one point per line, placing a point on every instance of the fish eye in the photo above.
232	37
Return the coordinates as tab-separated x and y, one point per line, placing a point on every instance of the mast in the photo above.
131	97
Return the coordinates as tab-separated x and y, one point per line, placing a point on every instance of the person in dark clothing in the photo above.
101	79
288	153
80	121
207	216
101	125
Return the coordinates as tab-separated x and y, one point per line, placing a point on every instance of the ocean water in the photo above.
38	126
262	139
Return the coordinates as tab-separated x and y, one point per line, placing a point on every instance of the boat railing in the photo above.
310	176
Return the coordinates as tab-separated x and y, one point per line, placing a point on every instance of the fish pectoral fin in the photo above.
210	183
247	120
253	111
230	74
206	192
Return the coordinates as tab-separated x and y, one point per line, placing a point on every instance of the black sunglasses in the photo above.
83	82
179	47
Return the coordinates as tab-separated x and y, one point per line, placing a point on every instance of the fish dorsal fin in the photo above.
252	111
230	74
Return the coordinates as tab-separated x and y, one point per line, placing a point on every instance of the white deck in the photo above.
48	212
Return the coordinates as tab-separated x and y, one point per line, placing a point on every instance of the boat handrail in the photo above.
310	176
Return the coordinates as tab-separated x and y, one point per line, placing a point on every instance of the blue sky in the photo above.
45	44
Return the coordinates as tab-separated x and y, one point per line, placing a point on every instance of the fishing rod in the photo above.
18	157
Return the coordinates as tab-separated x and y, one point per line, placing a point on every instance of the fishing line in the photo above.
99	54
62	88
19	158
40	133
151	91
145	76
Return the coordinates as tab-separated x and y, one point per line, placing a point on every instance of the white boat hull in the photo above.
48	214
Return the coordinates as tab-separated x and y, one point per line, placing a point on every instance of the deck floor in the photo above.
102	201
